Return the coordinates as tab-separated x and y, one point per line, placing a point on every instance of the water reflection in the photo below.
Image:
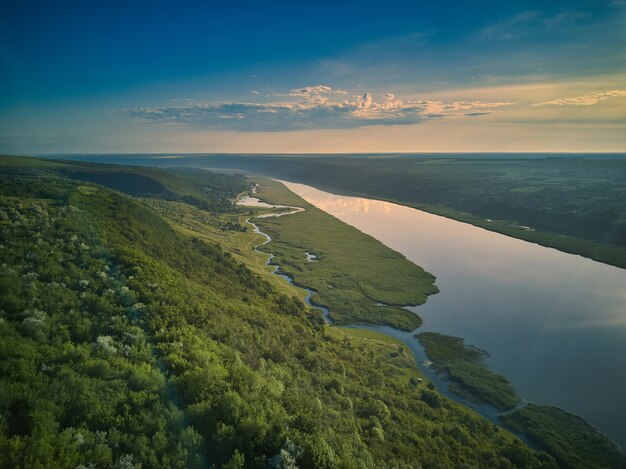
554	323
248	201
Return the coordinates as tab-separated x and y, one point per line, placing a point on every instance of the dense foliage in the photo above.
210	191
125	343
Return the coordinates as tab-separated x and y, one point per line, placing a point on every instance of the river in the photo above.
553	323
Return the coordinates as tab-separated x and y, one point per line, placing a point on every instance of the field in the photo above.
193	221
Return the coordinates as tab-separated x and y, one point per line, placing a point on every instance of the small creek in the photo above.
487	411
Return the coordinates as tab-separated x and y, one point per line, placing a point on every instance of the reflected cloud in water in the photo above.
554	323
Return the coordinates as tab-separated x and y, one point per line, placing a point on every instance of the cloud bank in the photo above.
585	100
311	107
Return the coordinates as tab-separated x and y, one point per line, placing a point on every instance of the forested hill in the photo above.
207	190
126	343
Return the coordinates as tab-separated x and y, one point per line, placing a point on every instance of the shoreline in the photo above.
442	384
487	411
494	226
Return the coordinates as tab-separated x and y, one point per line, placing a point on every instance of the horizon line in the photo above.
324	153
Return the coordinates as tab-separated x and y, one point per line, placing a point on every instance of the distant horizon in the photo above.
327	153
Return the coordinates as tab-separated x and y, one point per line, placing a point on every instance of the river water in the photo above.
553	323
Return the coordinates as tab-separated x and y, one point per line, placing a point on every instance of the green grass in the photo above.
195	222
353	273
465	368
572	441
28	162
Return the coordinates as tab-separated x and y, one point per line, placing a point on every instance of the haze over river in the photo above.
553	323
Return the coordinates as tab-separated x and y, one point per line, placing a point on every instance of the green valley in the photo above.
130	340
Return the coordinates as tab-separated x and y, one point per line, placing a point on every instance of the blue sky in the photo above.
313	77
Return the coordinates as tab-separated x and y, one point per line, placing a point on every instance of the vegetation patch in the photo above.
464	365
207	190
569	438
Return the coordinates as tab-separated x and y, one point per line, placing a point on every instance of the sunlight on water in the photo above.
554	323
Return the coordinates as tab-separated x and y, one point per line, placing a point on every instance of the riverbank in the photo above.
567	437
469	371
427	388
464	366
354	274
443	349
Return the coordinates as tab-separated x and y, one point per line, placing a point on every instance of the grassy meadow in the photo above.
353	273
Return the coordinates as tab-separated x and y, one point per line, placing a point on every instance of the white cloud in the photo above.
312	107
585	100
565	17
311	91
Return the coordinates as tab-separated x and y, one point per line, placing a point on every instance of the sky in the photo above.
312	77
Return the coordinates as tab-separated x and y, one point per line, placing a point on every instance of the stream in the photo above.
421	359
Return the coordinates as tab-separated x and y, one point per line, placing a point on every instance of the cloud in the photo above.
316	107
565	17
585	100
530	23
311	92
510	28
475	114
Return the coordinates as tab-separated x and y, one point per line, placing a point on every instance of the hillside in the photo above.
126	342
